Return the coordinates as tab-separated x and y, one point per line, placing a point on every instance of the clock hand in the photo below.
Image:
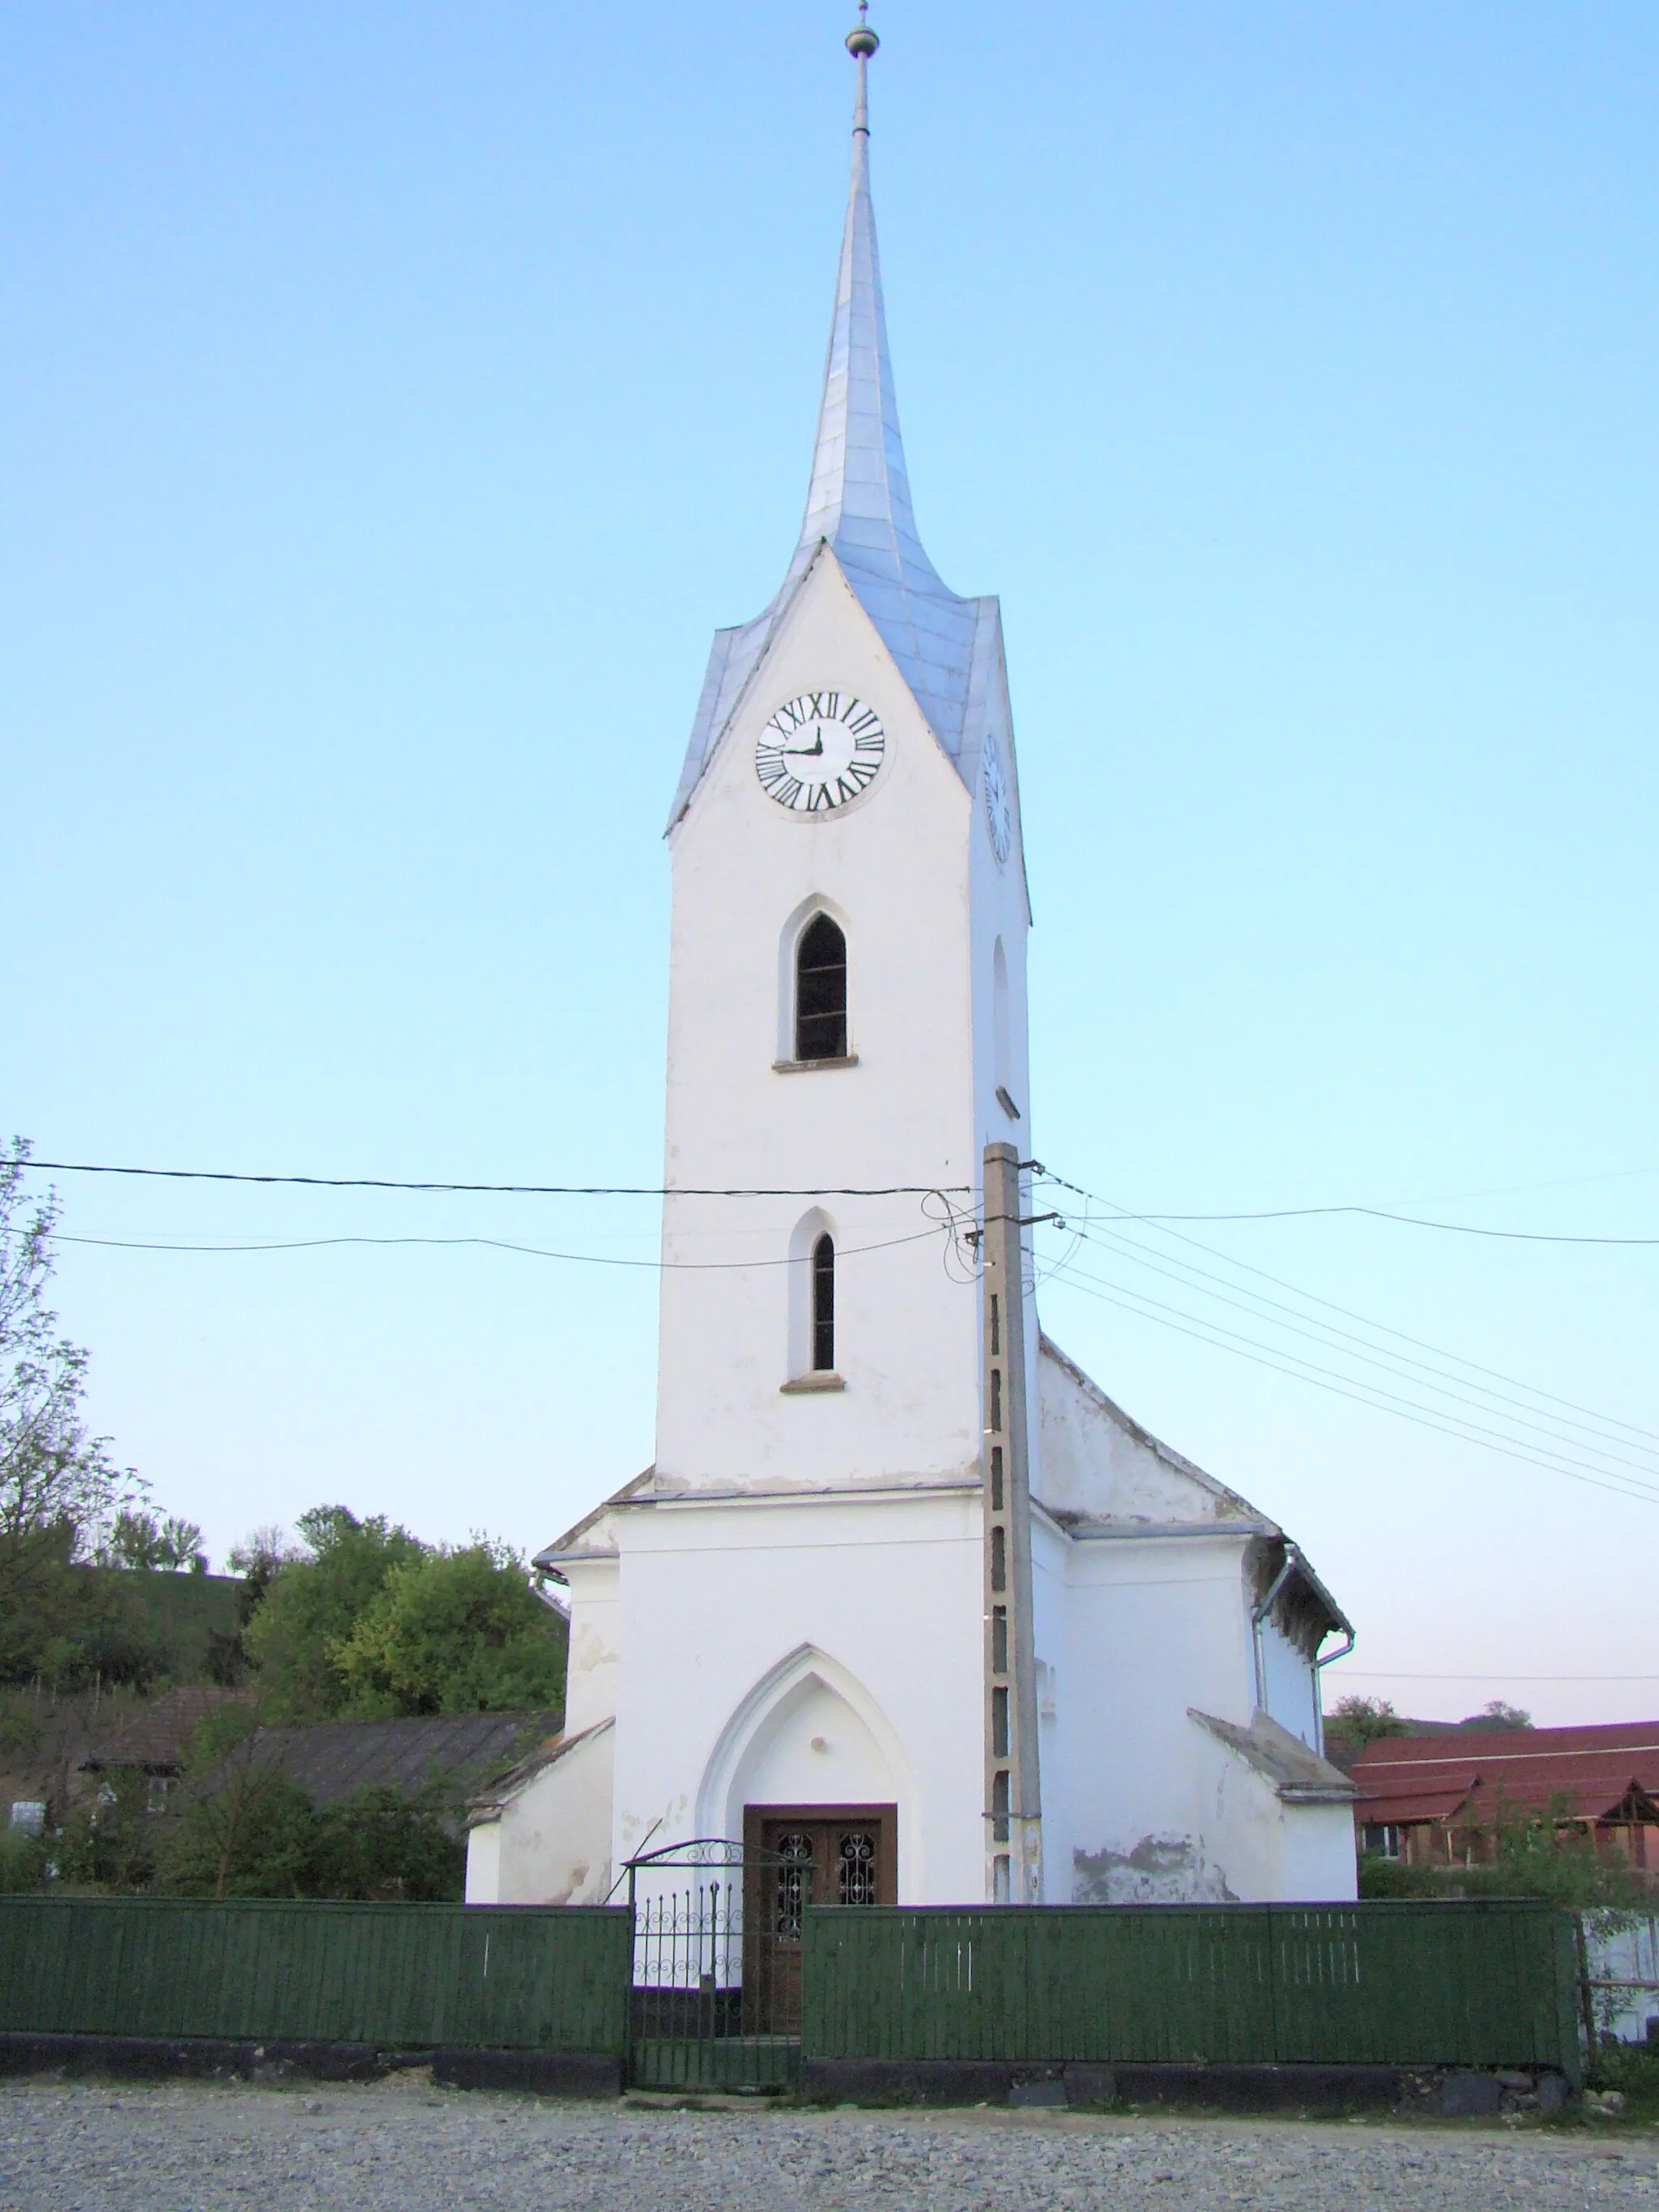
804	752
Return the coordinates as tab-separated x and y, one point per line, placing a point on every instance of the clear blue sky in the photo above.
394	398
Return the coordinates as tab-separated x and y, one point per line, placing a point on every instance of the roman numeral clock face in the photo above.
818	752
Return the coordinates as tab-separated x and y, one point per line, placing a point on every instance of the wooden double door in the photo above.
799	1855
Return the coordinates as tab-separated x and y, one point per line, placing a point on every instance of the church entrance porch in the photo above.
716	1995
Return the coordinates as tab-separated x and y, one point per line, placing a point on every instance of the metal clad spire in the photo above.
858	498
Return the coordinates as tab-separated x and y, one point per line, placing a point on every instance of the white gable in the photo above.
1093	1463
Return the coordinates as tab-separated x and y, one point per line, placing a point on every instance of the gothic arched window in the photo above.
823	1303
821	992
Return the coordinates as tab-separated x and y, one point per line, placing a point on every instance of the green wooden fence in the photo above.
1462	1983
403	1976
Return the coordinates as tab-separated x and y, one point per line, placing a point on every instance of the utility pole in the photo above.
1013	1804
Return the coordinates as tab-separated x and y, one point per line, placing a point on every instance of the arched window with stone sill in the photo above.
820	991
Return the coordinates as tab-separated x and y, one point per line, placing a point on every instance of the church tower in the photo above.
818	1627
848	983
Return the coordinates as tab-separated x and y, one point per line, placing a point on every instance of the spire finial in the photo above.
862	43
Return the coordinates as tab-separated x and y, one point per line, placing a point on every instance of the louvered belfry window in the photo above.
821	992
823	1305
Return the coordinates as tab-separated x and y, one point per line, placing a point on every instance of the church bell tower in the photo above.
846	1026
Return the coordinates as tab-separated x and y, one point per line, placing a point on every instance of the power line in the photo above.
1401	1367
507	1189
1542	1452
1372	1213
1312	1298
1391	1674
1128	1301
496	1244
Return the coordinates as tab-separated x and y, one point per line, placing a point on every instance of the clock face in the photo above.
999	805
818	752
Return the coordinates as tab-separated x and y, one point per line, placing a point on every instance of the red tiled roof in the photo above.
1593	1770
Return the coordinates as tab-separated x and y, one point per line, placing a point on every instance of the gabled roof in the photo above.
448	1754
1593	1772
489	1804
857	505
158	1739
1140	1487
563	1548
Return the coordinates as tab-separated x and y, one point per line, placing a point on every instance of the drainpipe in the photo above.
1258	1614
1341	1652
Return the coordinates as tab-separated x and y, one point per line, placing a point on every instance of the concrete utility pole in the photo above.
1013	1804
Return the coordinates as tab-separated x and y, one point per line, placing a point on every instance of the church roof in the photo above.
857	505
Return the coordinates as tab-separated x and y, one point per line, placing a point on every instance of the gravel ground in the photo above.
401	2146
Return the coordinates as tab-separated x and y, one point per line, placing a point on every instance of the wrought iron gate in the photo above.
715	2003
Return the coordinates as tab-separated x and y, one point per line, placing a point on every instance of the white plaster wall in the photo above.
591	1682
894	864
484	1864
813	1748
551	1844
1058	1686
1153	1625
1319	1862
1090	1463
727	1605
1292	1685
908	871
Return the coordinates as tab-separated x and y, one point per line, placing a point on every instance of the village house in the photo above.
1438	1800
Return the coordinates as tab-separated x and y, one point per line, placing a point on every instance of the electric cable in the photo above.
497	1244
1398	1366
1128	1301
1313	1297
1373	1213
505	1189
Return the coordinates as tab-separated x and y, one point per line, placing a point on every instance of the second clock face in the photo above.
999	807
819	750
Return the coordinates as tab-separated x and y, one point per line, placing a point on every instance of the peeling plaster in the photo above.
1159	1870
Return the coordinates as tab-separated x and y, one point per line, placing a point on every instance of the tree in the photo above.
108	1842
138	1540
258	1558
1497	1715
59	1492
1357	1722
381	1846
456	1631
240	1828
311	1605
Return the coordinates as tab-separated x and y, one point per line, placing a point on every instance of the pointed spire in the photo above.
858	503
859	497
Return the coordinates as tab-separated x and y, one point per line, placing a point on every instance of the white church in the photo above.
904	1595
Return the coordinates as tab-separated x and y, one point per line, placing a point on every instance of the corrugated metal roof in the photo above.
1594	1769
451	1755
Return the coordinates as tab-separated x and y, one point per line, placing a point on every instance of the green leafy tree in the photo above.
22	1862
139	1540
310	1606
1498	1715
1356	1722
108	1842
239	1826
59	1491
456	1631
380	1844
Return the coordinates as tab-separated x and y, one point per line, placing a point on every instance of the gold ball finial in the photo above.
862	42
